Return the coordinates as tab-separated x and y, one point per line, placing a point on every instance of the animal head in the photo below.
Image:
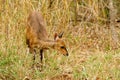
60	44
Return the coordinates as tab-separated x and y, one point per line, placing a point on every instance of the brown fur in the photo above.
37	37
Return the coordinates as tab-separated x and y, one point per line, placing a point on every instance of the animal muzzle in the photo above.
66	54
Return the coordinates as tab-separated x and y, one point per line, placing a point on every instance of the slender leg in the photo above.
41	55
34	53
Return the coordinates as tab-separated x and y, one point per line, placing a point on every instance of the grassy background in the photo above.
89	44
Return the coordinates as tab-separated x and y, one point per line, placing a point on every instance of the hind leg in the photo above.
34	54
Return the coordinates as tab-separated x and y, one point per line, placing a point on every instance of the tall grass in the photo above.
84	41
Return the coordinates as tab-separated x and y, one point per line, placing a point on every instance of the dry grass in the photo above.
89	42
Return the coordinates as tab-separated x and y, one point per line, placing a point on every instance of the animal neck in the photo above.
48	44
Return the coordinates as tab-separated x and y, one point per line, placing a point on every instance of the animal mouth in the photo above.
66	54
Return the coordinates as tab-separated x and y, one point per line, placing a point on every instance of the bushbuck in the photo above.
37	37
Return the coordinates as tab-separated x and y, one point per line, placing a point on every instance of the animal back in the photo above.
37	24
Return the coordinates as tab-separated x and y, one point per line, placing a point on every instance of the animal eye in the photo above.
62	47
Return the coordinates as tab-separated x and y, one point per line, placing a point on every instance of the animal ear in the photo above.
60	35
55	36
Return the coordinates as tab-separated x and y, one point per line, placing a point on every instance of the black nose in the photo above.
67	54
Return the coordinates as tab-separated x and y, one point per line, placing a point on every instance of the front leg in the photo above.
41	55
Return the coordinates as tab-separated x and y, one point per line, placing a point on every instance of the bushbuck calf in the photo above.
37	38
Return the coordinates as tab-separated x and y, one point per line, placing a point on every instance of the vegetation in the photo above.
91	31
